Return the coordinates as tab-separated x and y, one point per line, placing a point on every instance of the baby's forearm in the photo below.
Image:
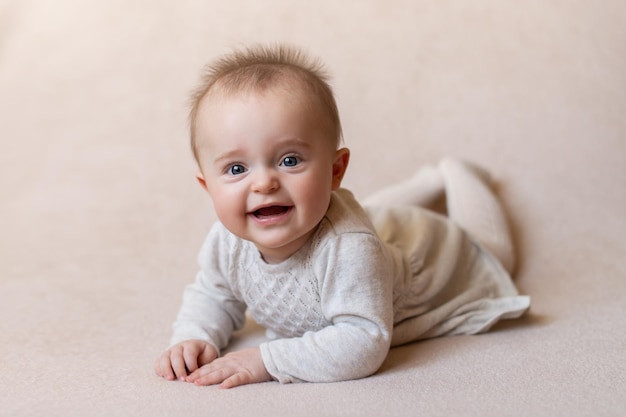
336	353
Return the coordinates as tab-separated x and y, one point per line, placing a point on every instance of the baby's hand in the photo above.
236	368
184	358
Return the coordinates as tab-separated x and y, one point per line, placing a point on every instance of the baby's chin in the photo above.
279	250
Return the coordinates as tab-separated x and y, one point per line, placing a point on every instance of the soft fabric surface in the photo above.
102	218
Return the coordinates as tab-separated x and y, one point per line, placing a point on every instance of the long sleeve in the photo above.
356	297
210	311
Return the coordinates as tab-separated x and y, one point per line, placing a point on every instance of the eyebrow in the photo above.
225	156
284	143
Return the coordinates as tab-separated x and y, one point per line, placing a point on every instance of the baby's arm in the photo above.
356	276
208	315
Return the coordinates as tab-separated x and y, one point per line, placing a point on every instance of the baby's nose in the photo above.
265	181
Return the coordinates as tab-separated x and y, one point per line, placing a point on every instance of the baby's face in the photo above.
269	166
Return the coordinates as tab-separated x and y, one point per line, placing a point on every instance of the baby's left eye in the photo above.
290	161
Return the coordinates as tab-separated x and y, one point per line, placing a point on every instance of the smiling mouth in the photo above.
271	211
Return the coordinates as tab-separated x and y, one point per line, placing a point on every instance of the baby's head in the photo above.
264	68
265	132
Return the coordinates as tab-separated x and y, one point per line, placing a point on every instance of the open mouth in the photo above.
271	211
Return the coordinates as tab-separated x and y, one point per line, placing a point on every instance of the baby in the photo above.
335	283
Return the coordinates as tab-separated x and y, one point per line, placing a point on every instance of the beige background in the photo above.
101	218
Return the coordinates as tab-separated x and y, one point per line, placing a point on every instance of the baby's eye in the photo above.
236	169
290	161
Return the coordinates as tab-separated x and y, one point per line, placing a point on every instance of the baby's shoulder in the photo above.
347	245
345	229
346	216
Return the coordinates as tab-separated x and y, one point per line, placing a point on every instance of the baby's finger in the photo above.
207	355
207	375
178	364
163	367
190	356
197	374
157	366
240	378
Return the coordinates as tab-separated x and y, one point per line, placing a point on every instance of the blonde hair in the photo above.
258	68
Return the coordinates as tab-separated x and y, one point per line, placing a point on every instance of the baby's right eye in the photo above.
236	169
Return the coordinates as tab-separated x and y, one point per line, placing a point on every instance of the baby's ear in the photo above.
202	181
342	158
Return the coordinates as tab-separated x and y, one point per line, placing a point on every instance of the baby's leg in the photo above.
473	206
422	189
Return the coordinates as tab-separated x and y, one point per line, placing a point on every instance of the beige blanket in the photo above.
101	218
